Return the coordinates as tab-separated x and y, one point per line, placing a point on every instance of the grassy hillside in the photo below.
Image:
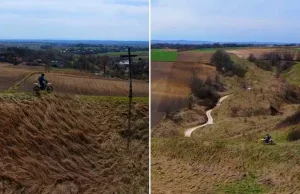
293	75
69	144
199	166
227	157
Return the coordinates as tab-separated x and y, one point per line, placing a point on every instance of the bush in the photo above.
251	58
223	63
288	55
274	57
197	86
263	65
239	70
293	135
298	56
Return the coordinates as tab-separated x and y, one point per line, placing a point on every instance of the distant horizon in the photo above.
222	42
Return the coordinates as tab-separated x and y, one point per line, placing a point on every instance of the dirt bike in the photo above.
37	88
270	142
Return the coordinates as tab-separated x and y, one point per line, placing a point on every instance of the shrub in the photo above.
288	55
223	63
298	56
251	58
197	86
239	70
263	65
274	57
293	135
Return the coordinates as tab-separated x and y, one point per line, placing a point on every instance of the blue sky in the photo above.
226	20
74	19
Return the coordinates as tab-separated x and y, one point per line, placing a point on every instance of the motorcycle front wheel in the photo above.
49	89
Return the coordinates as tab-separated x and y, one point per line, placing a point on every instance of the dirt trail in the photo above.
210	120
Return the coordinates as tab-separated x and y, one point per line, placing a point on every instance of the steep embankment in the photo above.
63	144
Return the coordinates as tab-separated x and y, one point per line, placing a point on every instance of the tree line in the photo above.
185	47
94	63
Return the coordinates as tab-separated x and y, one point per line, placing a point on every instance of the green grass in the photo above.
248	185
293	75
163	56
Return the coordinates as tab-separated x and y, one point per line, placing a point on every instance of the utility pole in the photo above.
130	94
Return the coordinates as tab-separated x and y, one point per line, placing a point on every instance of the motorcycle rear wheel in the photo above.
36	89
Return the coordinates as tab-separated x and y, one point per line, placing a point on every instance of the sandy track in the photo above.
210	120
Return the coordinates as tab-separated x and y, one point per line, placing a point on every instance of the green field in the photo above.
163	55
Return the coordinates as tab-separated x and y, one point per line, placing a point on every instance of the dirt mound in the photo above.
63	144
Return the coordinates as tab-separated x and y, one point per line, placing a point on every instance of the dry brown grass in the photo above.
200	166
62	144
244	53
9	76
69	81
88	85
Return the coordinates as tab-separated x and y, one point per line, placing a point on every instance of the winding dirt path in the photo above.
210	120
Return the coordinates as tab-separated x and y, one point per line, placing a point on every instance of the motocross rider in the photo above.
267	138
42	81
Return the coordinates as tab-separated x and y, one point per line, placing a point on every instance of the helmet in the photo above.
43	74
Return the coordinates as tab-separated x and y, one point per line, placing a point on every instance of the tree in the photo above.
221	60
104	62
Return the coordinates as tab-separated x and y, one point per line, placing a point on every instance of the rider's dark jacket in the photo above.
42	80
